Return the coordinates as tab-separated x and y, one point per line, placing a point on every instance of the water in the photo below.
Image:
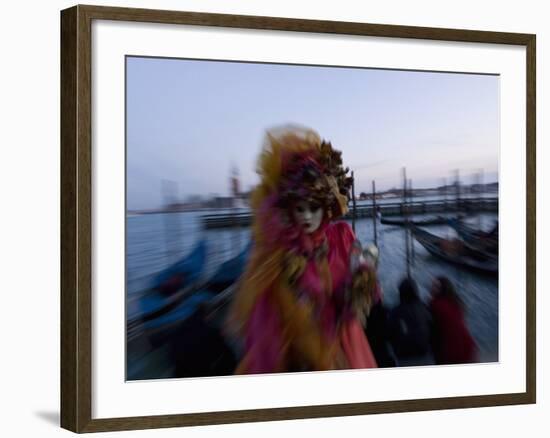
478	291
155	241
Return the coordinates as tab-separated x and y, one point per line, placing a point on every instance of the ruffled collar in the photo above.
278	231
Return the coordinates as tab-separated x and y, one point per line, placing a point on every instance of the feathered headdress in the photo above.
295	164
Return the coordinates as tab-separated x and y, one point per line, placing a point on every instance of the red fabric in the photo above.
356	346
340	239
264	341
453	342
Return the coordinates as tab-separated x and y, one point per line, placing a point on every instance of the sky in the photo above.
193	121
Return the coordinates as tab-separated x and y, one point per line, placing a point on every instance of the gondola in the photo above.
229	271
227	274
454	251
184	271
476	239
165	288
185	302
191	332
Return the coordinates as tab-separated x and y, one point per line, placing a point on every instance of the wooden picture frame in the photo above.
76	217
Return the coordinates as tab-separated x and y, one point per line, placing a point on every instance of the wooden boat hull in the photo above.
171	310
486	242
465	257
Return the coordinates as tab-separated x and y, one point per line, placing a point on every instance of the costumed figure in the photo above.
303	299
409	327
451	339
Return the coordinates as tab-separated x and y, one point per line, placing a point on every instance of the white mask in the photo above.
308	216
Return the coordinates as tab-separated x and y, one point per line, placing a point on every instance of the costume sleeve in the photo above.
361	285
341	238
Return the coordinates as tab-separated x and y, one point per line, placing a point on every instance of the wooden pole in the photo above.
407	245
445	195
457	183
234	190
448	209
482	185
411	238
353	200
479	195
234	227
374	213
457	187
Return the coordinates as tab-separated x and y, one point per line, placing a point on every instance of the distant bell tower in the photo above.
235	182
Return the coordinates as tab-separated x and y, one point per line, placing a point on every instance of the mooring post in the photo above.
374	215
407	245
353	200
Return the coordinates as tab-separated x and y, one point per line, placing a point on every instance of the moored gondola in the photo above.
166	288
187	339
478	240
228	272
158	310
454	251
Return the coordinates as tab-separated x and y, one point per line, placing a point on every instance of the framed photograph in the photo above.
269	218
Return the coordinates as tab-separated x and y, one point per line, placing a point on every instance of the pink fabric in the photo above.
340	239
356	346
264	337
264	341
